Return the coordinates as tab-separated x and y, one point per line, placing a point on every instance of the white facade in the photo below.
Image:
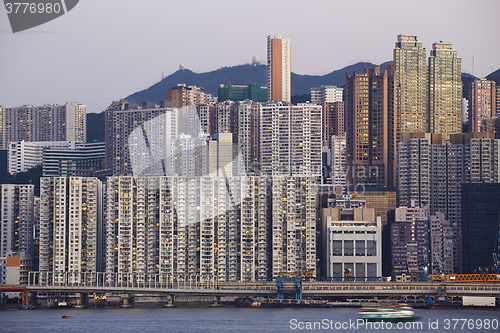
17	219
354	248
24	155
290	139
339	161
326	94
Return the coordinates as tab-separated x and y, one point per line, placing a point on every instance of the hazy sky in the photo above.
105	50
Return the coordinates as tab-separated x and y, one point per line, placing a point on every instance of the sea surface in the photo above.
232	319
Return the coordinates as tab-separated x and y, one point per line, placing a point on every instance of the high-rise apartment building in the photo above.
290	139
70	224
137	139
249	136
49	122
367	126
441	244
210	226
482	103
181	96
410	93
339	161
17	219
326	94
431	173
445	91
333	121
278	69
409	243
293	225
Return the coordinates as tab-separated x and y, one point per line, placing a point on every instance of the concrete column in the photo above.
125	300
78	300
170	301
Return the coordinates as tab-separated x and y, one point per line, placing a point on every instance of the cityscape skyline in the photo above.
97	61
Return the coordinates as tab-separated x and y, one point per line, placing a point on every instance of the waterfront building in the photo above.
409	243
241	92
353	242
49	122
278	69
482	96
445	91
294	225
441	244
80	160
480	226
17	219
289	139
70	224
24	155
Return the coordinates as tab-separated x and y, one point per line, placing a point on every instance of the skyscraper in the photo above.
278	69
410	91
482	96
445	91
367	127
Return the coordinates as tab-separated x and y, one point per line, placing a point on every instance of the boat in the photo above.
66	317
467	303
248	302
393	314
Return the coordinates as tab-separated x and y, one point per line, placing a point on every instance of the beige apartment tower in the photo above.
445	91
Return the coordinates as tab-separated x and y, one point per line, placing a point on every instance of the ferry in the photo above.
393	314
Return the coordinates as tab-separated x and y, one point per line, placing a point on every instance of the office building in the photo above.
480	226
49	122
278	69
445	91
409	243
181	96
482	103
17	220
290	142
80	160
294	226
368	125
24	155
70	224
241	92
354	243
382	199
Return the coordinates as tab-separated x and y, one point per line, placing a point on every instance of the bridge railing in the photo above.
119	280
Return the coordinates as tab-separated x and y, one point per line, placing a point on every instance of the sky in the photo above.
102	51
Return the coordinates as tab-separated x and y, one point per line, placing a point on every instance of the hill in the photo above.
210	81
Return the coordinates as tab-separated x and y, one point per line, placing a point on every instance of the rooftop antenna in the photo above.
162	76
473	65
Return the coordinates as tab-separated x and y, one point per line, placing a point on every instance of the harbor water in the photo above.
232	319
